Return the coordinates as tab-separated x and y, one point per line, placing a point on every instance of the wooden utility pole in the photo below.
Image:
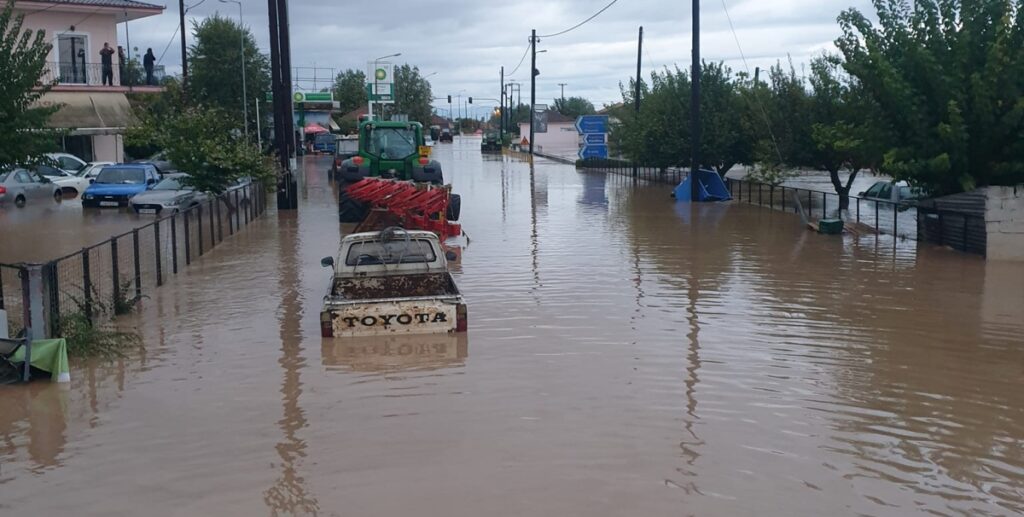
636	86
695	107
533	83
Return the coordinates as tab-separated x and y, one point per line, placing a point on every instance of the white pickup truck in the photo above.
391	282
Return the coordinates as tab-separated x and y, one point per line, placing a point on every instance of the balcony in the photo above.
80	76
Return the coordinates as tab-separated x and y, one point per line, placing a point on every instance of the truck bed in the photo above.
397	286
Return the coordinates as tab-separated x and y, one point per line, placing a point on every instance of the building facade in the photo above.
93	107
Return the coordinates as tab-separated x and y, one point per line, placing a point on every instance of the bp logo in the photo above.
381	74
298	97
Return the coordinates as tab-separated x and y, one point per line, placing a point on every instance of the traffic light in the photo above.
536	72
471	100
449	99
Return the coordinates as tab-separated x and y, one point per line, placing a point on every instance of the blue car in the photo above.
115	185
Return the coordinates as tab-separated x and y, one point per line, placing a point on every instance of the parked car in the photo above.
70	184
67	162
92	169
344	148
892	191
117	184
160	161
324	143
167	196
20	186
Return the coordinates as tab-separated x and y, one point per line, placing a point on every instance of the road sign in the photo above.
540	121
593	151
592	124
381	92
593	138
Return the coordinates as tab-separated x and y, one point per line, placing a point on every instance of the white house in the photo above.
560	139
95	114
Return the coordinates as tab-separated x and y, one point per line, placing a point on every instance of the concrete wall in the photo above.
561	138
96	27
1004	221
108	148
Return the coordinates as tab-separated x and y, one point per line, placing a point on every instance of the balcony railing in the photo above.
91	74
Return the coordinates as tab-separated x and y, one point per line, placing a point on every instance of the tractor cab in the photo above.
391	150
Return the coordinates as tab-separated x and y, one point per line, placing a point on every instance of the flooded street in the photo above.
625	356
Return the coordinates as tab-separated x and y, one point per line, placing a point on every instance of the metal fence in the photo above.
105	279
657	174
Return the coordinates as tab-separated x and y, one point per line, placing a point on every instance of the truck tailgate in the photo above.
421	315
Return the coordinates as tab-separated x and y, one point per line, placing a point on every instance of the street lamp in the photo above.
369	108
241	46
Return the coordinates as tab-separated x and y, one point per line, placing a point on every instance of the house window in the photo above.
71	52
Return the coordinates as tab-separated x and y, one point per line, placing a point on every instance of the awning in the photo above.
89	113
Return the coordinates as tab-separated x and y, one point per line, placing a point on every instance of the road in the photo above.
626	356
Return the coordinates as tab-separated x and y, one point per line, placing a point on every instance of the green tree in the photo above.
22	120
215	77
350	90
573	107
412	95
948	76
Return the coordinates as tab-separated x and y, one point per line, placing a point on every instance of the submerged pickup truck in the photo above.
391	282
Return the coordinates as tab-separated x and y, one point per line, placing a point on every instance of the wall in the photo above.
108	148
97	27
561	138
1004	220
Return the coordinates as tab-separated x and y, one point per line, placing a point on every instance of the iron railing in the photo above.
101	281
91	74
654	173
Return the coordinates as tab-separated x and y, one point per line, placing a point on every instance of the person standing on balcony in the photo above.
147	62
107	64
122	76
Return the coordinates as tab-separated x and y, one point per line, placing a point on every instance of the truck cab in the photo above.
394	281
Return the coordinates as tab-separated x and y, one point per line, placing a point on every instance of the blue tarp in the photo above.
710	188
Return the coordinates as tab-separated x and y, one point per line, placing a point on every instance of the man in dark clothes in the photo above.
107	62
122	77
147	62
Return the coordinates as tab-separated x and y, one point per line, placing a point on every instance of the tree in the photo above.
948	77
350	90
412	95
215	77
22	121
573	107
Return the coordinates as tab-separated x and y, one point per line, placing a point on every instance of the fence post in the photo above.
858	210
114	272
248	206
942	232
87	284
238	210
824	205
52	290
174	243
213	229
156	253
199	227
138	266
220	223
783	197
895	219
810	204
188	237
878	224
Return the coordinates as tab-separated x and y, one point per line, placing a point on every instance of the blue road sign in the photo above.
592	124
593	151
594	138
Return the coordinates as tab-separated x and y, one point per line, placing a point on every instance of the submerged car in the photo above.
67	162
490	142
892	191
92	169
71	185
446	136
19	187
168	196
117	184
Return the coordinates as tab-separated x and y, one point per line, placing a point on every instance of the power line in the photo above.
603	9
176	28
521	60
760	104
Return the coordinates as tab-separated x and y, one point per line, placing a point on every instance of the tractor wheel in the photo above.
351	210
454	207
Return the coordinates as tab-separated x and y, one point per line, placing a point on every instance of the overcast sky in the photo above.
466	42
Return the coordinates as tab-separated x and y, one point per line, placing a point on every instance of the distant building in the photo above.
95	114
561	137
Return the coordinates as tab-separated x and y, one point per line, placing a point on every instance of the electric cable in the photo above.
603	9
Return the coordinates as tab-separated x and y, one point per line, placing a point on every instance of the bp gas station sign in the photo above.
380	85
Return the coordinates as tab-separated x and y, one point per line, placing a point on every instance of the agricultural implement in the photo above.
410	205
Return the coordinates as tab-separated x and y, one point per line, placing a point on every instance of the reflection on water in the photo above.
631	356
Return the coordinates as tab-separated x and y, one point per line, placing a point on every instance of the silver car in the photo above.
20	186
168	196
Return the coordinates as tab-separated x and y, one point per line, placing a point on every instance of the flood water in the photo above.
626	356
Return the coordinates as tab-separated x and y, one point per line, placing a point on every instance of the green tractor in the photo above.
388	150
490	143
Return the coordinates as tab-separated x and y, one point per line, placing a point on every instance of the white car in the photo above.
92	169
67	162
70	185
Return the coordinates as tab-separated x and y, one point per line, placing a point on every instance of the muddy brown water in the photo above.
626	356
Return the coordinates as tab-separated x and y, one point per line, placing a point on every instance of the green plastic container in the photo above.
830	226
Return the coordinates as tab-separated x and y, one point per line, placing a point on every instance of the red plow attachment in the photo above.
418	206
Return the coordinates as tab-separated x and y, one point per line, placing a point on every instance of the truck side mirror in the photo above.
327	262
451	256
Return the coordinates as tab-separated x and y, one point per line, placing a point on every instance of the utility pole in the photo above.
695	106
284	139
563	90
184	51
533	82
501	113
636	86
